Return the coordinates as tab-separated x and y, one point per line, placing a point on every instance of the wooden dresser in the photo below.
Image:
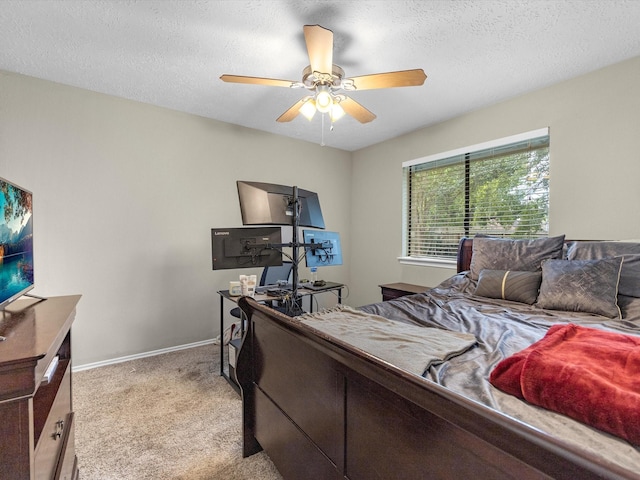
36	416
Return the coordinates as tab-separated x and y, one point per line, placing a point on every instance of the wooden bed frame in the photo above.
322	409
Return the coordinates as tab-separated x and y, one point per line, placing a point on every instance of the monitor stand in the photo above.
31	295
39	299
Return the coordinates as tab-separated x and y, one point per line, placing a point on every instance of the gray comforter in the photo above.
503	328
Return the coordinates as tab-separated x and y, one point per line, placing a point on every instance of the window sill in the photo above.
429	262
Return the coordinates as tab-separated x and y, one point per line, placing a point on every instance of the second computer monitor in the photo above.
328	252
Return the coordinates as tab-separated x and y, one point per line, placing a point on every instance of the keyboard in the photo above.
274	290
286	286
278	292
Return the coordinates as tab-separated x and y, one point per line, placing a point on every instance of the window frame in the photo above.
492	144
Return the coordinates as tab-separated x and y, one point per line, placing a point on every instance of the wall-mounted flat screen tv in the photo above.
272	204
246	247
16	242
328	251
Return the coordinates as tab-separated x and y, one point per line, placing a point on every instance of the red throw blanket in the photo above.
590	375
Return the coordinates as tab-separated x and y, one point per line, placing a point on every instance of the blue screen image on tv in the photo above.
329	251
16	242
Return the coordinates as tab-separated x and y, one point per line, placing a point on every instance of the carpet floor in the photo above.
170	417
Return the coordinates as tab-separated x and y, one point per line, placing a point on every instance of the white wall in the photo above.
595	167
125	195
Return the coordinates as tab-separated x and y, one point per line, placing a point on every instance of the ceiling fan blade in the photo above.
320	48
404	78
292	112
272	82
357	111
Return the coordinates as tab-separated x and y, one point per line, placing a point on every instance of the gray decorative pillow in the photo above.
630	251
492	253
581	286
509	285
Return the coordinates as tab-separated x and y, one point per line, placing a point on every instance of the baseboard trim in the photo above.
113	361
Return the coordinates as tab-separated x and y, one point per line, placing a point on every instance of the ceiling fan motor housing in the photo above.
311	79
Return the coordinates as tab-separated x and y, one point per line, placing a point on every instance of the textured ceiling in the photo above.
172	53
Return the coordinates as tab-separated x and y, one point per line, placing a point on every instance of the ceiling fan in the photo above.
325	81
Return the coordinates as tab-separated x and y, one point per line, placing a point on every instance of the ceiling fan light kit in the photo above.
324	99
327	80
308	108
336	112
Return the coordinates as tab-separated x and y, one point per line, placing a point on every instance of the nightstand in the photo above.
397	290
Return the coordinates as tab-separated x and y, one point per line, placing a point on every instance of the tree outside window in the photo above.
501	191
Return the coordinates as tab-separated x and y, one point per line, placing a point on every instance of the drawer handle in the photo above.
59	430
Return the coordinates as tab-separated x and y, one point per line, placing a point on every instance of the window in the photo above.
499	188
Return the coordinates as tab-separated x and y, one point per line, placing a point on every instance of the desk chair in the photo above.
270	276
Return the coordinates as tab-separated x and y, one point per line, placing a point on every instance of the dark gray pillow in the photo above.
589	286
492	253
509	285
630	251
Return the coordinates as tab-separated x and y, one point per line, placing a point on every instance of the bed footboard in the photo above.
323	409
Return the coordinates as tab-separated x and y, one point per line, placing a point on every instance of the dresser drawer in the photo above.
67	467
55	432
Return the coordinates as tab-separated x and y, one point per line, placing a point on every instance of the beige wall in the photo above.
594	123
125	195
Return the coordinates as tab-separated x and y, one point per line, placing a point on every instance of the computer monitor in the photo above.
246	247
274	274
327	253
272	204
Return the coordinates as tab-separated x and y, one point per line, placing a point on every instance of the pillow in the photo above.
630	251
509	285
505	254
589	286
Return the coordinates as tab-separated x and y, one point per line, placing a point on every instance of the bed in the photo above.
325	407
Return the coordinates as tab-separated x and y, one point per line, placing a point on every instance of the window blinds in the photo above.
500	188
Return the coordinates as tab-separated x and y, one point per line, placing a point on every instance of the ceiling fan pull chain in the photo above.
322	139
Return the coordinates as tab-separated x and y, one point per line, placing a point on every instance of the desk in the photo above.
259	297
